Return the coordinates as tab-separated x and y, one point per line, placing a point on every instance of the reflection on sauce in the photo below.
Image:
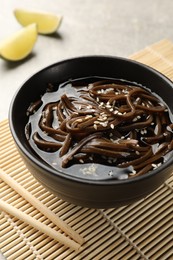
99	128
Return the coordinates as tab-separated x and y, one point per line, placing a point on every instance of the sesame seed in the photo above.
101	119
54	163
101	104
108	90
110	173
81	161
104	124
79	120
88	116
90	86
154	165
112	126
135	119
133	172
95	126
143	131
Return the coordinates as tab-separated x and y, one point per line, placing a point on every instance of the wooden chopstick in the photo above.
39	225
41	207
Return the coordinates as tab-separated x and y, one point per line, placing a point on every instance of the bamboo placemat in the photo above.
143	230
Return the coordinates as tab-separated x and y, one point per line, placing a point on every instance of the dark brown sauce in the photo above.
100	129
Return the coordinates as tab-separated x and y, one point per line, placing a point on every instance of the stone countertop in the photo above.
106	27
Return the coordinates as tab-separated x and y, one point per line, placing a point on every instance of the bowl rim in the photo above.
60	174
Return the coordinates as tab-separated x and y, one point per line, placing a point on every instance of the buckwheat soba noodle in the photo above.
100	129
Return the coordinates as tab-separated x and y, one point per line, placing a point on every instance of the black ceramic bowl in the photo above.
87	192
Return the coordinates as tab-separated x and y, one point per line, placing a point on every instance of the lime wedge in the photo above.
47	23
20	44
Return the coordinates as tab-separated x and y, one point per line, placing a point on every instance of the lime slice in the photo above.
47	23
20	44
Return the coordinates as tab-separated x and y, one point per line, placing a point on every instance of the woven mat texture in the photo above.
143	230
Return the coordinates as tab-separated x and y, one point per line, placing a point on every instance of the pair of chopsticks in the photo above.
74	244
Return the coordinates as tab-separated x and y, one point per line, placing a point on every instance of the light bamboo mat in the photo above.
143	230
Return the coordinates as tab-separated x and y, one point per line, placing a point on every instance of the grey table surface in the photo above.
89	27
